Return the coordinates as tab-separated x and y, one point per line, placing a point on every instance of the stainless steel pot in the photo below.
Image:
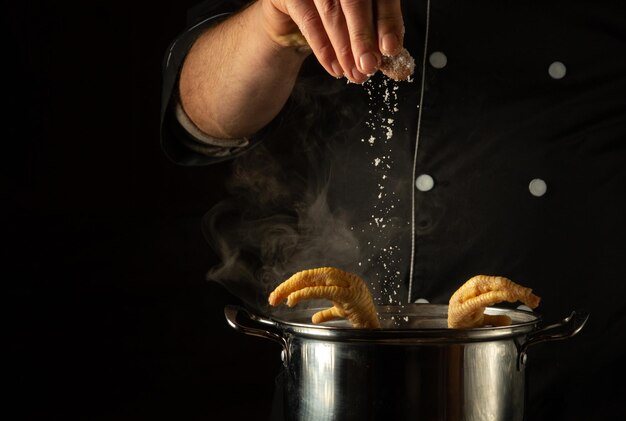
414	368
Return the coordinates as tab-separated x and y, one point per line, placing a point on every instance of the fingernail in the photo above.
368	62
357	76
390	44
337	70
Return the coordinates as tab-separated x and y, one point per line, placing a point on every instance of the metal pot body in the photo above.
329	380
414	368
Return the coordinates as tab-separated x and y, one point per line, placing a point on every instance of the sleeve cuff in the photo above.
201	142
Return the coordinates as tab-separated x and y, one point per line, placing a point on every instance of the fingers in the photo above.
390	27
361	46
348	37
306	16
324	25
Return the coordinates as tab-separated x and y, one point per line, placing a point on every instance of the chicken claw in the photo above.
467	305
347	291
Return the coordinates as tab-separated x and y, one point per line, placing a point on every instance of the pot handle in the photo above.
244	321
564	329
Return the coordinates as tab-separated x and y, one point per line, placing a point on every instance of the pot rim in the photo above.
414	323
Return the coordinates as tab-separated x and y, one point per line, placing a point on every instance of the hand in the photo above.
348	37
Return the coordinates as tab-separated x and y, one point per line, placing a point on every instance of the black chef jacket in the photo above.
505	154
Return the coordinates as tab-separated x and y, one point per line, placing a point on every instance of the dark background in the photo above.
108	314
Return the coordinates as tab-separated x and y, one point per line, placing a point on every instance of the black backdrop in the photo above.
108	314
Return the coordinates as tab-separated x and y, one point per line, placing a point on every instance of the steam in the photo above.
273	227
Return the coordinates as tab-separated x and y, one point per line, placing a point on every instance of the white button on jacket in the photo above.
424	182
537	187
557	70
438	60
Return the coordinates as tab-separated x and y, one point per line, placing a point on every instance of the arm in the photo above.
239	74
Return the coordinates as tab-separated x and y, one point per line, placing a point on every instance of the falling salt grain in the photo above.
383	100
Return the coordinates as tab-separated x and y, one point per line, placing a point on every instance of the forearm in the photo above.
235	78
